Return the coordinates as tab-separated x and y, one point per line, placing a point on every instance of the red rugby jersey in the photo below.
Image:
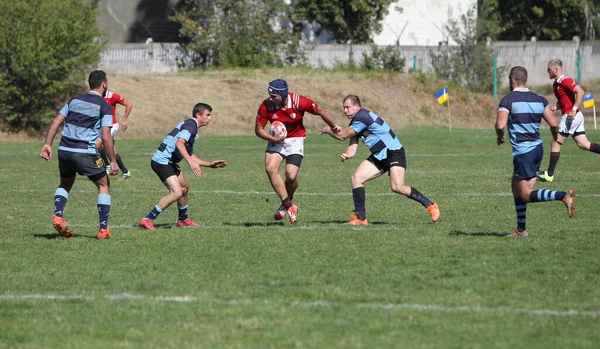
113	99
291	115
563	90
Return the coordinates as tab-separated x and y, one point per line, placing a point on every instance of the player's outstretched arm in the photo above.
344	134
46	152
211	164
328	120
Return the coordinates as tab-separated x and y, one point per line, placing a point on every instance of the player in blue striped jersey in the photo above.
387	155
179	145
85	117
522	111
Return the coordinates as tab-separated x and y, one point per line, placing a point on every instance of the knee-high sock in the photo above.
359	197
60	200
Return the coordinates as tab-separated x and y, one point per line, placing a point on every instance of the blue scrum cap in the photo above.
279	87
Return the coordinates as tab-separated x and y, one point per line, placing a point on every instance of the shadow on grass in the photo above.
483	233
51	236
346	221
254	224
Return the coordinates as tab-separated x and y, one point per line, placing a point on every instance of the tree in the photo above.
347	20
544	19
46	50
470	63
239	33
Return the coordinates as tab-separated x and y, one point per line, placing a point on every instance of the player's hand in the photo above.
114	168
218	164
123	125
571	114
195	168
553	108
46	152
500	140
344	157
279	137
336	129
325	130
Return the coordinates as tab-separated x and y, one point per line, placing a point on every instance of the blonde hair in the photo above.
555	63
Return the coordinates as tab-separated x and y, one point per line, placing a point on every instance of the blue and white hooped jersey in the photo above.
375	133
525	111
167	151
84	115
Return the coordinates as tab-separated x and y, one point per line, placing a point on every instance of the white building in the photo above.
420	23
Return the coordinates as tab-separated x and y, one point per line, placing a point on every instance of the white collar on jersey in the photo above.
520	89
560	78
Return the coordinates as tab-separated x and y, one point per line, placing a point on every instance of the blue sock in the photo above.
521	209
155	212
546	195
359	198
183	214
104	209
60	200
417	196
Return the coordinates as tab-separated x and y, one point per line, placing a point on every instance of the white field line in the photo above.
434	308
255	192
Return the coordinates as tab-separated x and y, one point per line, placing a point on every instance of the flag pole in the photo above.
594	109
449	114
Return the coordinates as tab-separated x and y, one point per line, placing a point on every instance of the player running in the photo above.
84	117
569	96
521	111
387	155
288	108
113	99
179	145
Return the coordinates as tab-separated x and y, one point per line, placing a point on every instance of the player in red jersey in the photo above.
113	99
288	108
569	97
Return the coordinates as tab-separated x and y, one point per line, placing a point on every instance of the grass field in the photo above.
242	280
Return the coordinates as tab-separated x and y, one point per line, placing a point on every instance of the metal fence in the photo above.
534	55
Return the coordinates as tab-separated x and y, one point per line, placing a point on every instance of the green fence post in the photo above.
578	68
495	75
414	69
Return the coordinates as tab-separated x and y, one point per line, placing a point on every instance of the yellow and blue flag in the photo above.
442	95
588	100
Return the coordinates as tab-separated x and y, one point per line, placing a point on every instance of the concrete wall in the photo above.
164	57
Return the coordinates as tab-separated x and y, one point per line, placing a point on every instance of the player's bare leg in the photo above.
182	204
273	162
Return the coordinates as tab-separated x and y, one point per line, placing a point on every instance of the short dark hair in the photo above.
200	107
96	78
519	74
353	98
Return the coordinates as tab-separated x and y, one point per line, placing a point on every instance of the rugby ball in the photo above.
277	128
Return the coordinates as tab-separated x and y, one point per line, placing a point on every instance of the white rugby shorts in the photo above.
288	146
114	130
576	124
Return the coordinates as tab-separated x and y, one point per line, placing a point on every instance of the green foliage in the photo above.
547	19
387	59
46	50
347	20
470	63
239	33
